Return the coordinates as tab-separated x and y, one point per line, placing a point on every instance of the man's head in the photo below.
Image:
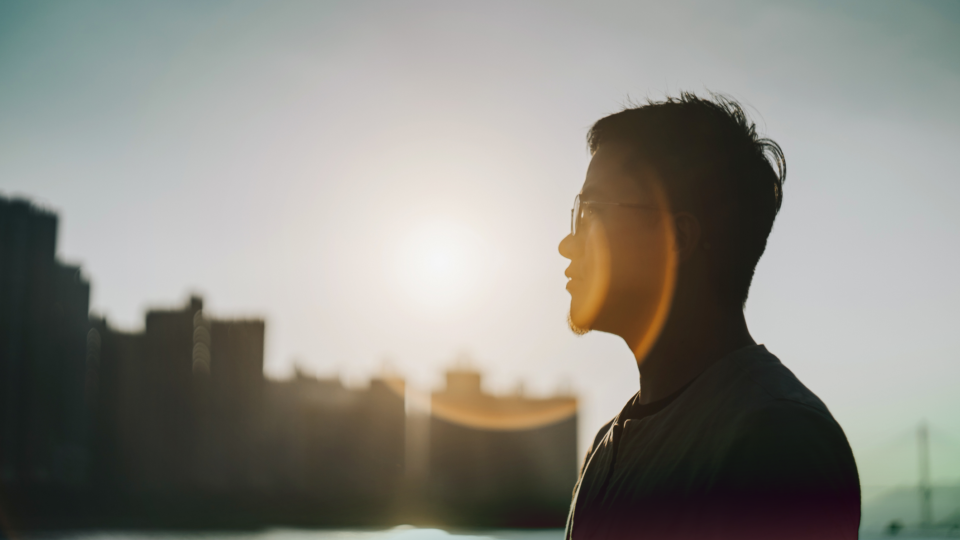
695	194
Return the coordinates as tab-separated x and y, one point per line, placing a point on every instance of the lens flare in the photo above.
663	275
468	406
628	282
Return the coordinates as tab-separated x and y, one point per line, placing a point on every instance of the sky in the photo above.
386	183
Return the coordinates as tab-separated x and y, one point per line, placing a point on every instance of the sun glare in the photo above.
438	265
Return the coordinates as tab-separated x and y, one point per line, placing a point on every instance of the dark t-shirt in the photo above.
744	451
633	410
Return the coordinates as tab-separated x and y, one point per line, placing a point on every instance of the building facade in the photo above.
43	354
500	460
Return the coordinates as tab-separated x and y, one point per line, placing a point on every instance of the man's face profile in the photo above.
622	260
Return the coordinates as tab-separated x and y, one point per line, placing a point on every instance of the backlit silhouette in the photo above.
722	441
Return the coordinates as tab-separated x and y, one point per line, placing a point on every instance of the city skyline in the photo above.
177	423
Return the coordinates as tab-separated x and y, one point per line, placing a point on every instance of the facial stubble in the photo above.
578	330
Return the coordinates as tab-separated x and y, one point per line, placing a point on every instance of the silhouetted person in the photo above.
722	441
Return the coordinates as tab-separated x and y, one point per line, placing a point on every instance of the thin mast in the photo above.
926	492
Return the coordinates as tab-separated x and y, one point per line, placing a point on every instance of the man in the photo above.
722	441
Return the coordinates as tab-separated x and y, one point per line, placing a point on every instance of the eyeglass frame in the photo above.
576	216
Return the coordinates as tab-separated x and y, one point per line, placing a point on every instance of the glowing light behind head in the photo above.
438	265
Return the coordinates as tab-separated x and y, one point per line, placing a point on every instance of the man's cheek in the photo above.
623	268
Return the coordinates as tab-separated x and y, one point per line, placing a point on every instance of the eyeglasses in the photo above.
576	214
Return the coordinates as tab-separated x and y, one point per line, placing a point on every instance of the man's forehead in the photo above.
610	176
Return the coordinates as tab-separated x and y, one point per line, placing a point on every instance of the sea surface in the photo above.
403	532
397	533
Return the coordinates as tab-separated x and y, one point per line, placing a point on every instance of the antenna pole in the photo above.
926	492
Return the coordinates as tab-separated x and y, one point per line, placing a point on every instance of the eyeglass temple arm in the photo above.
626	205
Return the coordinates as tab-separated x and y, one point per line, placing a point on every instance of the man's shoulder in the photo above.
597	440
751	393
753	379
752	419
601	434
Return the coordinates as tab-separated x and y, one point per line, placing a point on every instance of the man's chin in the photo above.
576	329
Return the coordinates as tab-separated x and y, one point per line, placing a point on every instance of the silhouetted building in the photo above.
120	391
43	360
184	410
336	448
177	403
505	461
228	371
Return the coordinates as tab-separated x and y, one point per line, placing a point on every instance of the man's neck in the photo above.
687	346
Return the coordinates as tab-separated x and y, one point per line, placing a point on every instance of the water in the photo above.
404	532
398	533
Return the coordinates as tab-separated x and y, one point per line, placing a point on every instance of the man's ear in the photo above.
686	235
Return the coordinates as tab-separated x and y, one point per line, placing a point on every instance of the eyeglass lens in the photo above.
575	216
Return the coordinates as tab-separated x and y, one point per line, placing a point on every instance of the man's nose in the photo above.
568	246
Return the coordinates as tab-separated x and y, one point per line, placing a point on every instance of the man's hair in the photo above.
713	163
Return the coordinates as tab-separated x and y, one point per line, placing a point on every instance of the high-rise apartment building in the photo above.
177	401
43	360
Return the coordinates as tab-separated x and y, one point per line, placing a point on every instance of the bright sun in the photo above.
438	264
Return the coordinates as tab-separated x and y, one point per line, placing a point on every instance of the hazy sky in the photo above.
390	181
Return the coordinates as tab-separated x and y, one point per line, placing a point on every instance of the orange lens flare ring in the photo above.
664	261
485	411
659	276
